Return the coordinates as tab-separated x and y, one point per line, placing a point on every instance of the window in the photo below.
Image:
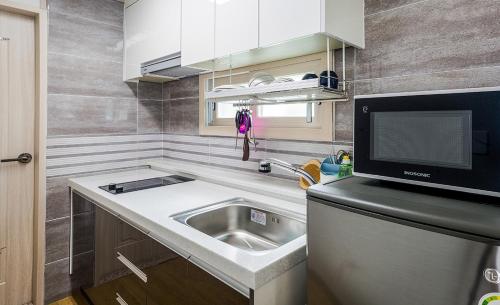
283	121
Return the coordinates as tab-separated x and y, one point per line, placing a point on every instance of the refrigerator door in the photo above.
357	259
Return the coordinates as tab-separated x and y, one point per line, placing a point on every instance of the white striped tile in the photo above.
294	159
102	158
186	138
238	152
71	170
102	139
302	147
106	152
186	156
63	151
231	141
235	163
190	148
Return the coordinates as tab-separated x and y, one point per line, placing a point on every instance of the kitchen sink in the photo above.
245	224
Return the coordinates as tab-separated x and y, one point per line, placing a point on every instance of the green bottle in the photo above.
345	167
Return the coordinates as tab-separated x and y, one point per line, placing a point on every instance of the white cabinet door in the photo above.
197	37
152	29
282	20
236	26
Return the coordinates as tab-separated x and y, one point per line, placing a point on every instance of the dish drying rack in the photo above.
309	91
302	91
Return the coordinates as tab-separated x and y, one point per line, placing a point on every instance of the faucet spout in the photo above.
265	167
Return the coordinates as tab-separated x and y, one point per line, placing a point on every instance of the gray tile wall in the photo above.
414	45
181	106
94	119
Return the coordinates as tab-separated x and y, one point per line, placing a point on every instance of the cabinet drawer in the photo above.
208	290
113	236
168	284
126	234
129	266
130	290
167	279
3	264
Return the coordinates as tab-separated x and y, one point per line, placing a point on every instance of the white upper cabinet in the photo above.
236	26
198	31
345	20
152	29
258	31
218	28
282	20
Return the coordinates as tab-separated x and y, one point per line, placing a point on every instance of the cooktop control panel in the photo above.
132	186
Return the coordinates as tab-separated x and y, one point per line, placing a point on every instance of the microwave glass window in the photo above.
435	138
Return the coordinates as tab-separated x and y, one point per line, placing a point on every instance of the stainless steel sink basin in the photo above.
245	224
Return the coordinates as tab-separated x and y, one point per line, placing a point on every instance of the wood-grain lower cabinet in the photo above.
131	268
177	281
121	255
208	290
167	279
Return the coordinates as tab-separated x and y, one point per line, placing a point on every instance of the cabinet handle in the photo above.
120	300
132	267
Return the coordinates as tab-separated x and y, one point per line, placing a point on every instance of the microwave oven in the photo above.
447	139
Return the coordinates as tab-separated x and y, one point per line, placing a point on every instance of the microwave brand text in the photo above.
417	174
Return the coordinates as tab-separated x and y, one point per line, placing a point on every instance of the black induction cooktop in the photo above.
132	186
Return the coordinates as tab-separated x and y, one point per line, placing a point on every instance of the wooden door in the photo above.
17	119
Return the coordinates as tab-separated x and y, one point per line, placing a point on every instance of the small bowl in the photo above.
329	171
260	78
309	76
334	79
328	167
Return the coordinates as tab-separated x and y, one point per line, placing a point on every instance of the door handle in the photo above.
22	158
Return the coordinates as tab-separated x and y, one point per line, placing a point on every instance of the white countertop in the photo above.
256	182
152	209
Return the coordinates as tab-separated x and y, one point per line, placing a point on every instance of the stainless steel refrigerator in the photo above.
375	243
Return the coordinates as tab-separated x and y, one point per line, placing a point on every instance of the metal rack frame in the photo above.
274	94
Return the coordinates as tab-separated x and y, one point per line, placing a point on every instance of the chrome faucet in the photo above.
265	167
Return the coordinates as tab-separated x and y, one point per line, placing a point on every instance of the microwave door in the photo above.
431	138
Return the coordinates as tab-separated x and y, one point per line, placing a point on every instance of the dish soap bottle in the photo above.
345	167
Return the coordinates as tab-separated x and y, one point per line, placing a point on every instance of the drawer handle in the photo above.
120	300
132	267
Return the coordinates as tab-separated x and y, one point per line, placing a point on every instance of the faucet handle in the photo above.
264	166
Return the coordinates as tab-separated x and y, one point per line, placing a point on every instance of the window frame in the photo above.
293	128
